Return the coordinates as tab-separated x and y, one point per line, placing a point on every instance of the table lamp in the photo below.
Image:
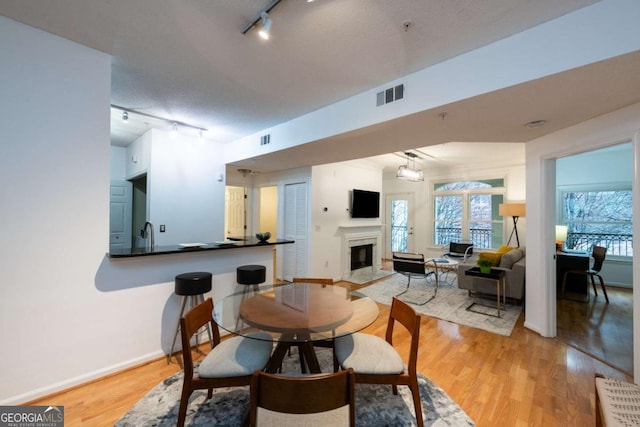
561	236
515	210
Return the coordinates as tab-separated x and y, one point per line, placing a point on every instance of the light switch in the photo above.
162	228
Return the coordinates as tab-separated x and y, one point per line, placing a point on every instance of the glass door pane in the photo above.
399	220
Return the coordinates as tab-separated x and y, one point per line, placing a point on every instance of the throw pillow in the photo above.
504	249
510	258
493	257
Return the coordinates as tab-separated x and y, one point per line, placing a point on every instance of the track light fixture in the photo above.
263	16
266	26
173	123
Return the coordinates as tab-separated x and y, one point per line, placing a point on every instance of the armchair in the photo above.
413	265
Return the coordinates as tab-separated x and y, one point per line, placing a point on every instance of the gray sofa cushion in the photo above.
510	258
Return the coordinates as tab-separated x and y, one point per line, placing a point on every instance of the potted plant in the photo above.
485	266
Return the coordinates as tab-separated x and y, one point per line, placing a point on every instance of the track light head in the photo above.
266	26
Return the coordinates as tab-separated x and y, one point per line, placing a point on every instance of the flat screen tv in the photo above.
365	204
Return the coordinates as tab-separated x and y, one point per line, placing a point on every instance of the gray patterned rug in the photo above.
375	405
449	304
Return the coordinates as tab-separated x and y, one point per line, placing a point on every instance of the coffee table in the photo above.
443	266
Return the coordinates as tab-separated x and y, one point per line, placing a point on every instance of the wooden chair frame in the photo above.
599	253
407	317
302	394
190	324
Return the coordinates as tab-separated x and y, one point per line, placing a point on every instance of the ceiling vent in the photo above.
265	139
390	95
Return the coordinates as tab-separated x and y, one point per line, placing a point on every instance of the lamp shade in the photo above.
512	209
561	233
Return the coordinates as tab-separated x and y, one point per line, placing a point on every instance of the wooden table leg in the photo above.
275	361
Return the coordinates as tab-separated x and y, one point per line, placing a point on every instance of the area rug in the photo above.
376	405
449	304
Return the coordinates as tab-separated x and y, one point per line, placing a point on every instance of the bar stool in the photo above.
192	287
250	276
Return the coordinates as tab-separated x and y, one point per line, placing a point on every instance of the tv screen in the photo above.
365	204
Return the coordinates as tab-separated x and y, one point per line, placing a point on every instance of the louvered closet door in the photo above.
295	228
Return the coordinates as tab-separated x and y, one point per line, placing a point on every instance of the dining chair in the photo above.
230	363
328	343
375	361
599	253
318	400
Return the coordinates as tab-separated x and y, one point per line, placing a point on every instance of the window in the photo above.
467	211
601	218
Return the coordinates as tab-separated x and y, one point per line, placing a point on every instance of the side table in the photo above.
497	276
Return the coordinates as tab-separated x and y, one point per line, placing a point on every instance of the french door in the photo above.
399	221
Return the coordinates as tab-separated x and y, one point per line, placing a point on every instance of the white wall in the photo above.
55	212
330	188
68	313
117	168
613	128
183	189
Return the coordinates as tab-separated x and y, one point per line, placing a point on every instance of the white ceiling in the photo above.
186	60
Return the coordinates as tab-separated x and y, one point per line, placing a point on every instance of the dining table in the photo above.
295	314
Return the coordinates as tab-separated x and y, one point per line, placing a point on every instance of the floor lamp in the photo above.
514	210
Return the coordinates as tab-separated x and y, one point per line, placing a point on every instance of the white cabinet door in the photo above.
120	215
295	228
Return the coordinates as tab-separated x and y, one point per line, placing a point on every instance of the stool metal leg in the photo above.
175	335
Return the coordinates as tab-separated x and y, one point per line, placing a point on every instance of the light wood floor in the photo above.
521	380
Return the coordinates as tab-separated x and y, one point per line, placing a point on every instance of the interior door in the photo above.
120	212
399	220
235	217
295	228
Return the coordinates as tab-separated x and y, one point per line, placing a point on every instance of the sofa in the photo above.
511	261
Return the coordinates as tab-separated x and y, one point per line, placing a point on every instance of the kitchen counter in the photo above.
233	243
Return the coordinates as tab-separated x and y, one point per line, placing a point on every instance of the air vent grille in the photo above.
389	95
265	139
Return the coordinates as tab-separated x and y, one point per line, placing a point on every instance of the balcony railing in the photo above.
616	244
480	237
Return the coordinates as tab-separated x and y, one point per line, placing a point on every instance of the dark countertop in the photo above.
234	243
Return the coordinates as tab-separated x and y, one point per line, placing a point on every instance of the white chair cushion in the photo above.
368	354
237	356
332	418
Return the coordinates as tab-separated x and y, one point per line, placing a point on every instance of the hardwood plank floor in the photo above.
521	380
602	330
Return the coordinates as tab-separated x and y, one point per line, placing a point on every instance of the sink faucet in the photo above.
146	234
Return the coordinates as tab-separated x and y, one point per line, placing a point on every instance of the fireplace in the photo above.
361	252
361	256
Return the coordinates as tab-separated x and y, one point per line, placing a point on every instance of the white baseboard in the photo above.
80	379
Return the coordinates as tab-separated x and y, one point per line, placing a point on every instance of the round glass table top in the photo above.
296	312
